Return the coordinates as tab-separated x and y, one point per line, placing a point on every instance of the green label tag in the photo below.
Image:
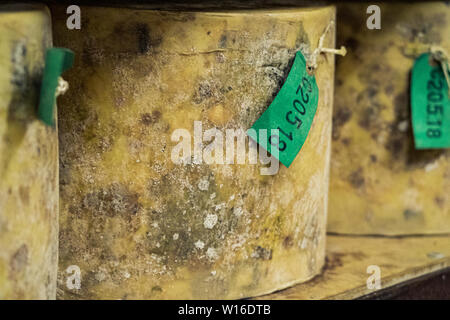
430	105
289	116
57	60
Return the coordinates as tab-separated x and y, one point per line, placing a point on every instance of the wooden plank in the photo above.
433	286
344	276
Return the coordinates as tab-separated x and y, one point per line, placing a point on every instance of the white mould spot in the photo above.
238	211
210	221
403	126
203	185
176	236
199	244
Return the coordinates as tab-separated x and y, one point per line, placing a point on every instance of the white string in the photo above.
312	63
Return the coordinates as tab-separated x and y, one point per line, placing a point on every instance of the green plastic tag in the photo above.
57	60
430	104
289	117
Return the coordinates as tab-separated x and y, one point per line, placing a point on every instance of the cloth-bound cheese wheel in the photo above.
380	184
140	225
28	159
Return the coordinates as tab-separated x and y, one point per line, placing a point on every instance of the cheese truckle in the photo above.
380	183
138	223
28	159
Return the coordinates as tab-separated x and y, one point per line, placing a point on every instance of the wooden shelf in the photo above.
400	259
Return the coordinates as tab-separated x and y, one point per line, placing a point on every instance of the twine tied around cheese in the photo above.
312	61
62	87
439	54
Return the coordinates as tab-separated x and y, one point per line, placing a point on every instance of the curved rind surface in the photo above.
140	226
28	159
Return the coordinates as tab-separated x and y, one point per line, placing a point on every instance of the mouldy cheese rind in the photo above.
140	226
28	159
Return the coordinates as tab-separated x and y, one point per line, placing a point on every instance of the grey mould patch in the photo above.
288	242
150	118
204	92
410	214
369	119
24	98
20	69
223	41
143	35
183	212
280	78
19	259
262	253
423	29
146	41
440	202
24	193
399	140
156	289
26	85
210	91
341	117
356	178
112	201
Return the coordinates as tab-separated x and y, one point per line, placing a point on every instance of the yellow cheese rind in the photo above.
379	183
138	225
28	160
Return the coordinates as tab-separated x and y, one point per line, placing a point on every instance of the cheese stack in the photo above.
28	159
